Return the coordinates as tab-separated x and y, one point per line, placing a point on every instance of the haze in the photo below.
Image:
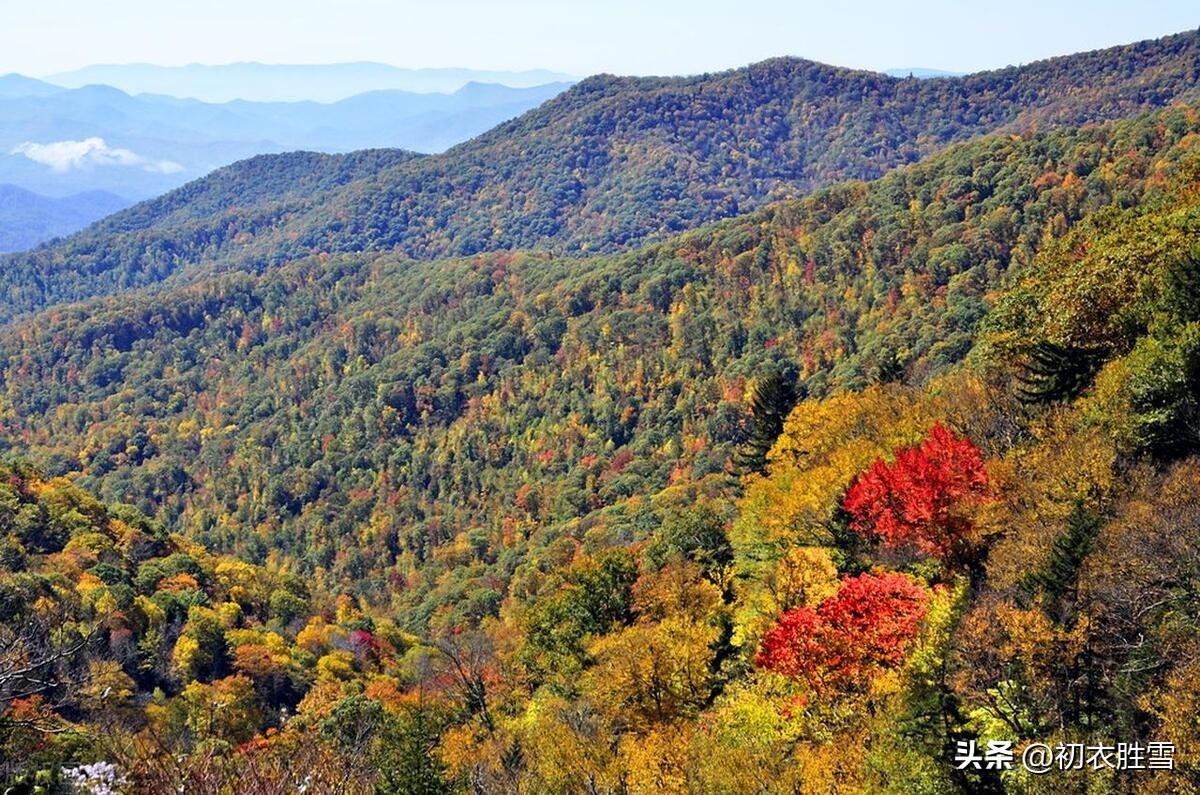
581	37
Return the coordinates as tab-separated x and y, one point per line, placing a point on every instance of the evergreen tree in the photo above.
1059	578
1051	372
775	395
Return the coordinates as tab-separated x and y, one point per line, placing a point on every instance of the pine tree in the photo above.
1059	578
1051	372
775	395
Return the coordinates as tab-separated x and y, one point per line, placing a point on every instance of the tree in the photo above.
1059	577
399	746
1051	372
866	626
41	660
775	395
696	533
201	651
915	501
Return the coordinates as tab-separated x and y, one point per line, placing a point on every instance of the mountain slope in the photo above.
15	85
27	219
523	459
618	161
358	413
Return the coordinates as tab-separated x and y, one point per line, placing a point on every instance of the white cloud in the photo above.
64	156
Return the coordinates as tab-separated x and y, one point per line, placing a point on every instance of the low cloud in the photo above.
64	156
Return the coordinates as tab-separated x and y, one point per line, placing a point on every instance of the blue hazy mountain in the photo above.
286	83
14	85
59	142
27	218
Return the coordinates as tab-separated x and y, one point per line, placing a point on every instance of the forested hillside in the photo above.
796	501
620	161
388	423
978	524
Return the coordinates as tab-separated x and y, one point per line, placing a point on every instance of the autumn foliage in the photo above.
867	625
915	501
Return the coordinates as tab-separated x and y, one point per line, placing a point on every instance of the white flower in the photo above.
98	778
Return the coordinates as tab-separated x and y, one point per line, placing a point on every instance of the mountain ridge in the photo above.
277	82
618	161
810	498
98	137
28	218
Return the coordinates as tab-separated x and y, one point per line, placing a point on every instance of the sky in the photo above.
579	37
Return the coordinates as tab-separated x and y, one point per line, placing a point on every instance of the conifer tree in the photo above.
775	395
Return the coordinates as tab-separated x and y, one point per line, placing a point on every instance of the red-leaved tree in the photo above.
867	625
916	501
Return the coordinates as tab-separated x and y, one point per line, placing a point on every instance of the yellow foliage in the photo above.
1178	709
154	614
107	686
650	674
745	739
677	590
824	445
1039	486
657	762
230	613
565	748
336	666
834	766
804	576
314	637
186	650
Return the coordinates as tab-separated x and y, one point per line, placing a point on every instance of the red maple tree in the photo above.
867	625
915	501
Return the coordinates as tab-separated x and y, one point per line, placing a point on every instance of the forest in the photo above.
800	500
609	165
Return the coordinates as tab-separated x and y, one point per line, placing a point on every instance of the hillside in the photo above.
615	162
515	470
357	414
27	219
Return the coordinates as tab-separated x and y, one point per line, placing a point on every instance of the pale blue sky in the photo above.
581	37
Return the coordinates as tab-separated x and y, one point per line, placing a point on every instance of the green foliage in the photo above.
774	397
613	162
400	747
374	421
595	596
1058	579
524	458
1052	372
697	534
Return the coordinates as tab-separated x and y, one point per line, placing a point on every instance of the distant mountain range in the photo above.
291	82
98	140
27	219
152	143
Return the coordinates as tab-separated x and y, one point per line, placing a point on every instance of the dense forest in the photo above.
798	501
609	164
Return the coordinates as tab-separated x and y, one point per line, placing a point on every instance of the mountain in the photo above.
420	398
615	162
292	82
14	85
515	470
27	219
63	141
813	498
